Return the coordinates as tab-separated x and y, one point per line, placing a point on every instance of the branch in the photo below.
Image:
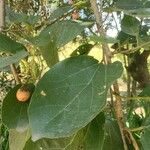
107	57
15	74
2	24
135	145
2	10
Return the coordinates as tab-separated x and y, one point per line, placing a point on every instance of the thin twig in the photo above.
132	98
15	74
135	145
137	129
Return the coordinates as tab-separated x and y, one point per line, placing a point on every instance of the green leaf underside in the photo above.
14	113
8	45
69	96
5	61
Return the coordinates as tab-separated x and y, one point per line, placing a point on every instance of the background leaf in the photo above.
5	61
112	138
8	45
15	17
71	94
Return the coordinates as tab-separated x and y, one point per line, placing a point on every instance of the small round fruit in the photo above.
23	95
75	15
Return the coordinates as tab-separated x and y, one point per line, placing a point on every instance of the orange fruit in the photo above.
75	15
23	95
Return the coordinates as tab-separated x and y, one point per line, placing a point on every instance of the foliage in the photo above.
73	106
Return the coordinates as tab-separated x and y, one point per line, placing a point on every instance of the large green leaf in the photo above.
5	61
70	95
14	113
130	25
55	36
9	45
18	140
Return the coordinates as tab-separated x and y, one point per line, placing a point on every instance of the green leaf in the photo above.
14	113
103	39
8	45
113	140
124	38
70	95
5	61
60	12
130	25
18	140
48	144
56	36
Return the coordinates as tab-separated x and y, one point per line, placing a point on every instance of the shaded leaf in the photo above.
95	134
113	140
70	95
